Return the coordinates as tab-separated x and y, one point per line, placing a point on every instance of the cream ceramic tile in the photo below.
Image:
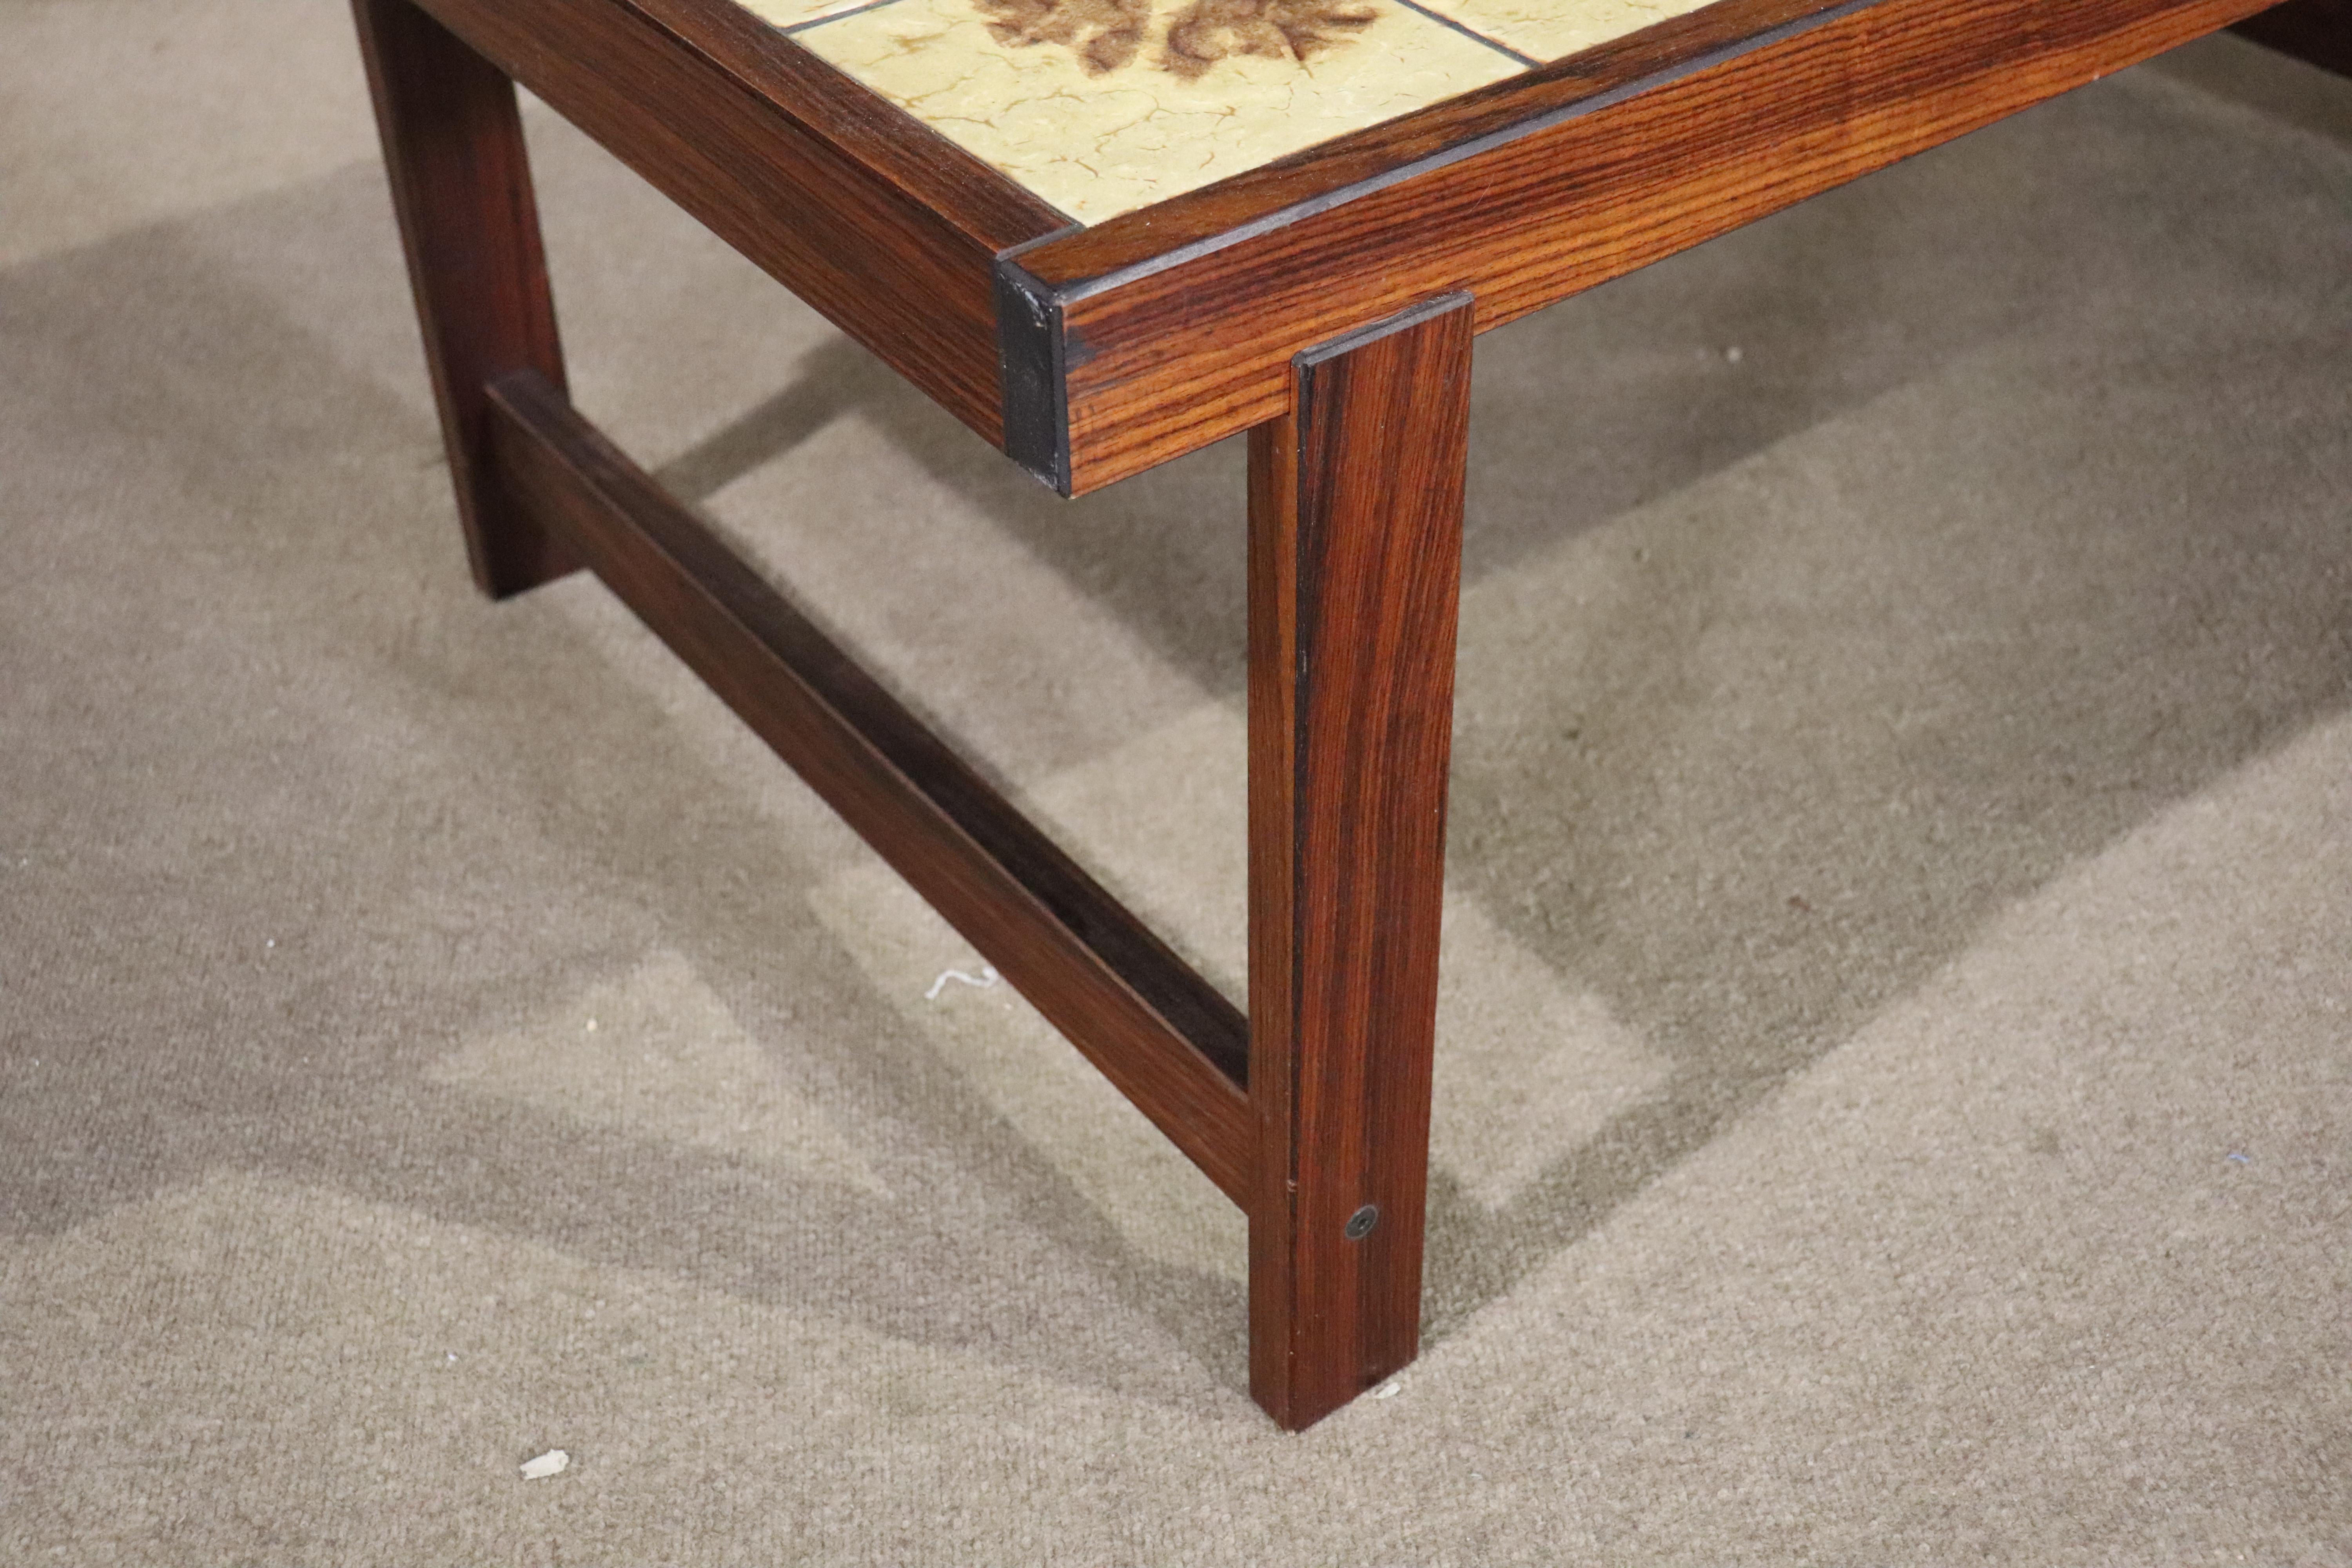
1100	106
1552	30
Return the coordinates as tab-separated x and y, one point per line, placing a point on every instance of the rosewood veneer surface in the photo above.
1105	233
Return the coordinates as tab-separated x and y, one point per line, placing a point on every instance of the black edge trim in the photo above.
1307	361
1031	360
1411	316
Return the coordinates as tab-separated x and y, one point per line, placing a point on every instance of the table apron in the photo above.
1164	358
900	270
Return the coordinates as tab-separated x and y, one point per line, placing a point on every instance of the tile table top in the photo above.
1102	106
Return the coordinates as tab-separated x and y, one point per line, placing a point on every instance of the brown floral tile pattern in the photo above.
1108	33
1102	106
1104	34
1208	31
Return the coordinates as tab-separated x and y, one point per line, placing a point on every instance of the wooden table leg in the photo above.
461	184
1355	572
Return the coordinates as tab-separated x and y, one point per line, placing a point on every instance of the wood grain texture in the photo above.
1645	59
1169	1041
2319	31
461	178
1164	358
966	193
886	227
1355	574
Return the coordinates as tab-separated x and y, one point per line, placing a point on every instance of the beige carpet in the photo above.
1895	1094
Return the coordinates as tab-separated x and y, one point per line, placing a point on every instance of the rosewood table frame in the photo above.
1326	304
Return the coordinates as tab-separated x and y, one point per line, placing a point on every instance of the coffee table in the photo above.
1104	233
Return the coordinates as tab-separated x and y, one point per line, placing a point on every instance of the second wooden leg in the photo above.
461	184
1355	574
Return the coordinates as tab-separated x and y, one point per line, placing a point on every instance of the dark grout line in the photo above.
834	16
1467	32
